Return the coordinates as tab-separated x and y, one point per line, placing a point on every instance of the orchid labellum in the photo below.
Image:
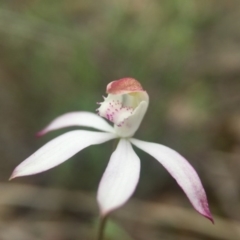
125	106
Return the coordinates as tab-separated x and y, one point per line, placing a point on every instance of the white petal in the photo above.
132	123
84	119
119	179
59	150
182	171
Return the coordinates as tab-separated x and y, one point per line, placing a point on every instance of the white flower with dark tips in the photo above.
125	106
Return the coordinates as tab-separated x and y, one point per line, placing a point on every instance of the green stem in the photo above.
102	226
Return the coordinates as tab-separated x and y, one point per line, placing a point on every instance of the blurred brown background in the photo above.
58	56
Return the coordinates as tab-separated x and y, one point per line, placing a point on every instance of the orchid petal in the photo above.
59	150
119	179
84	119
182	171
132	123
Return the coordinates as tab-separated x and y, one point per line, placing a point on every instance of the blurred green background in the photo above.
58	56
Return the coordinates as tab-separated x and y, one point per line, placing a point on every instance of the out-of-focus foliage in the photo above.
58	56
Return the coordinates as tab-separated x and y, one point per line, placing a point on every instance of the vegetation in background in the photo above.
57	56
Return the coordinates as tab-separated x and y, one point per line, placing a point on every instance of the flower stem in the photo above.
102	225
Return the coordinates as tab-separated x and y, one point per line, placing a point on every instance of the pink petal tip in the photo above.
40	134
208	215
12	176
205	211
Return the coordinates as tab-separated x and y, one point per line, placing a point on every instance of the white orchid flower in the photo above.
125	106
